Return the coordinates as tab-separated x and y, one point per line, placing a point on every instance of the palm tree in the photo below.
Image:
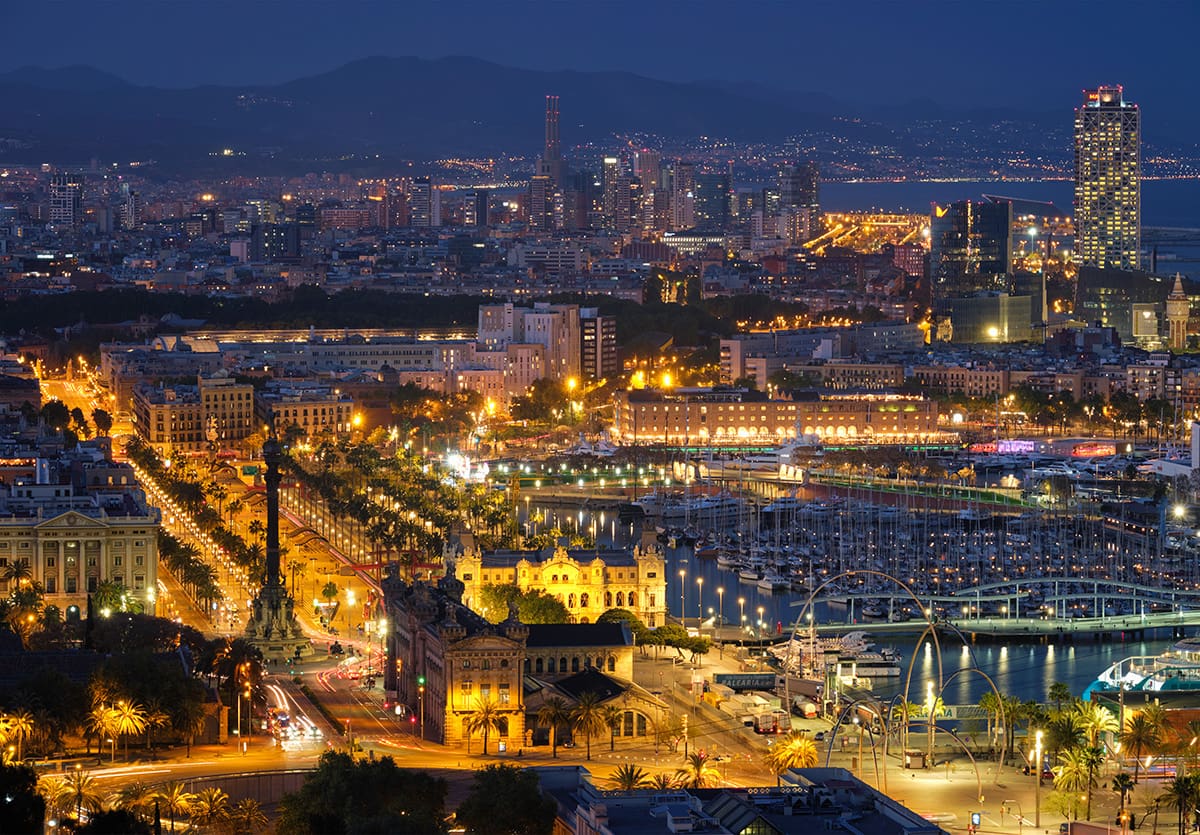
484	719
136	797
1183	792
1096	719
101	722
663	782
174	799
614	716
628	777
247	818
210	807
129	718
188	719
553	714
19	726
19	572
57	794
1064	730
587	717
796	750
156	718
1140	738
1060	692
1077	772
82	793
1123	784
698	772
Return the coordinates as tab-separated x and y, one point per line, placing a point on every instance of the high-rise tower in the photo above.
66	200
1108	173
551	164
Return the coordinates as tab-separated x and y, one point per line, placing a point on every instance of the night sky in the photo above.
1032	55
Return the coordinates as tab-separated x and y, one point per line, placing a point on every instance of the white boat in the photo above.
774	581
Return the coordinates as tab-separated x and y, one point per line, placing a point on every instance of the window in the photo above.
467	686
485	692
504	698
466	663
50	562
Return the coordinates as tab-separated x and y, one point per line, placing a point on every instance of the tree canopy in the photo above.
533	605
505	800
344	797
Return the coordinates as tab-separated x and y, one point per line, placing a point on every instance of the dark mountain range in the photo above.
396	107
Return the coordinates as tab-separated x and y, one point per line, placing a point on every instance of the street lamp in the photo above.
742	611
1037	789
682	591
930	703
700	602
721	604
761	609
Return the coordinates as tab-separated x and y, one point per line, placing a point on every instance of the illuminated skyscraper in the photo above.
1108	172
66	200
551	163
800	195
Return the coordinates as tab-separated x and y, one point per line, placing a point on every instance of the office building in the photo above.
216	413
425	204
552	164
711	201
555	327
646	167
66	200
800	189
274	241
969	248
598	351
477	213
541	202
1108	174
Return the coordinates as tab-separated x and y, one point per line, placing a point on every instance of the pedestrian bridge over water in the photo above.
1047	606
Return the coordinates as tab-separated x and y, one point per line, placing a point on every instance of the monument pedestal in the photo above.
273	626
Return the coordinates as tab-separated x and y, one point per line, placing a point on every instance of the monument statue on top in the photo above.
273	627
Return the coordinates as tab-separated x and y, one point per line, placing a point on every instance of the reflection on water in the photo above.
1022	670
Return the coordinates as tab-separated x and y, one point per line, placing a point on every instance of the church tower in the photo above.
1179	310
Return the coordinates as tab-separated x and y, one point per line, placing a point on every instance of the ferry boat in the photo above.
1176	669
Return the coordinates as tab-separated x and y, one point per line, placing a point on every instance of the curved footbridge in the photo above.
1047	609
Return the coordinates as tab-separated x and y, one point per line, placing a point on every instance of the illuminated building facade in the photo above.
969	248
588	583
66	200
73	542
443	660
736	417
180	418
1108	173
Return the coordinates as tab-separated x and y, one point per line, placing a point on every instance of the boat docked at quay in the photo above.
851	657
1177	670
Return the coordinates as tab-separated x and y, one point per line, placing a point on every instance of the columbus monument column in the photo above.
273	626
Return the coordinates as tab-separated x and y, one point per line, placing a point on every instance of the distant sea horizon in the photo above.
1170	203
